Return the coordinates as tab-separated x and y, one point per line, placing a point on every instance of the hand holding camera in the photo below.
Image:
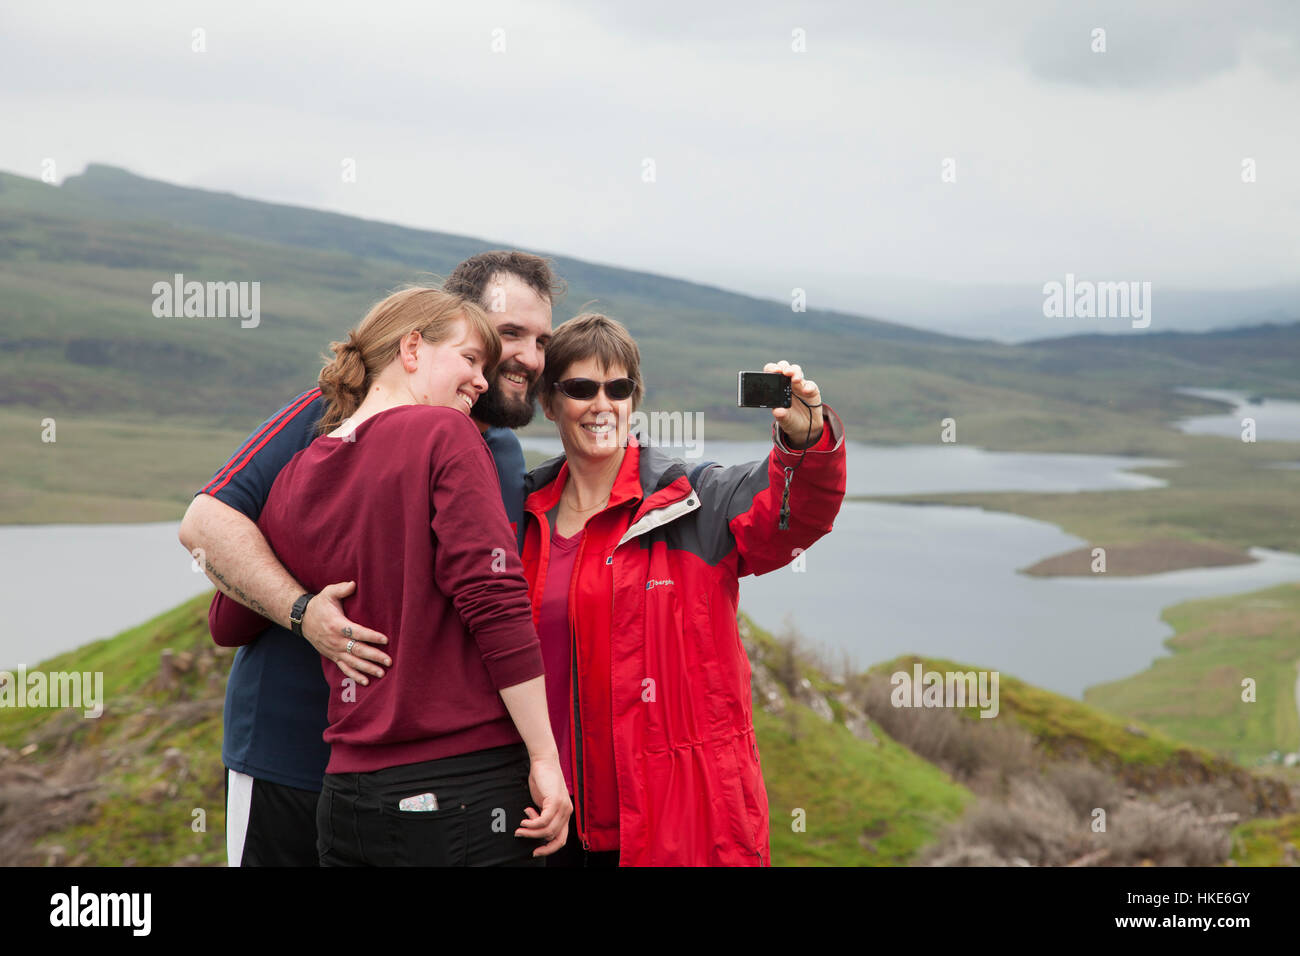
795	401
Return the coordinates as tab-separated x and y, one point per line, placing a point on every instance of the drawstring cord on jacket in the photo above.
784	523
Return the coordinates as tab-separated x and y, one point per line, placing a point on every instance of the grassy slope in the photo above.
137	817
102	468
1195	694
1140	752
1268	842
1067	729
155	757
866	803
863	804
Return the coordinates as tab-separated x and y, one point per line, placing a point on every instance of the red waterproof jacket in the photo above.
657	577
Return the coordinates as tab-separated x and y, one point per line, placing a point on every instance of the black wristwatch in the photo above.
299	612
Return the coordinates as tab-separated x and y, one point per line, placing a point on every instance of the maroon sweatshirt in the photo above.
409	507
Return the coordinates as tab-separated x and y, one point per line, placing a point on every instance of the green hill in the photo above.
851	780
124	788
79	344
1063	783
1196	693
77	263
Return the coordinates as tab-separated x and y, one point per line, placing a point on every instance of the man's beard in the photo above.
495	410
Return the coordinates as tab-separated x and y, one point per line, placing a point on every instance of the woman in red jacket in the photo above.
632	559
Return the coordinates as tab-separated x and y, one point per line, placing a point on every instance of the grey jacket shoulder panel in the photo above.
723	492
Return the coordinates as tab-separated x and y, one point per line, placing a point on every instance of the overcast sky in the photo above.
772	168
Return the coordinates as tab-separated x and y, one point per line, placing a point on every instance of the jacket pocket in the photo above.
755	794
324	825
740	820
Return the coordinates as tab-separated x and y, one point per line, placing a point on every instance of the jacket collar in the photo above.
644	467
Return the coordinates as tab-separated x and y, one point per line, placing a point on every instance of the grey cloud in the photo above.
1162	45
1150	44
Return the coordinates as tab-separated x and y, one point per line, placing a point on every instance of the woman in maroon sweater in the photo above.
400	495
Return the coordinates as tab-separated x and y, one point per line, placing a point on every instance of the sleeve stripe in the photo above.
258	440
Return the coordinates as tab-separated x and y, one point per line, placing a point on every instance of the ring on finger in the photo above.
348	649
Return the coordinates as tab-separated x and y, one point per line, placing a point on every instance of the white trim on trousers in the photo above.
239	803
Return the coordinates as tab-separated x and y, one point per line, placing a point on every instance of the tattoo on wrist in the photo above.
244	599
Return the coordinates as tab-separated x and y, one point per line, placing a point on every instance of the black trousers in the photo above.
480	796
280	826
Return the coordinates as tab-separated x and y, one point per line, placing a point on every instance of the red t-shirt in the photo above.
556	637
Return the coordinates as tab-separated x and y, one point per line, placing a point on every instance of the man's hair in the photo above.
470	279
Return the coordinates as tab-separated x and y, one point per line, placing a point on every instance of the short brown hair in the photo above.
470	279
375	342
591	335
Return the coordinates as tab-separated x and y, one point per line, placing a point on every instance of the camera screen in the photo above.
763	390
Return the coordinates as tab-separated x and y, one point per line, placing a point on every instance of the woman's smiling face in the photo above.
595	428
451	372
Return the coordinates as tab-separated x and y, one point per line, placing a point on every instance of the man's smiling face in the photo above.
523	319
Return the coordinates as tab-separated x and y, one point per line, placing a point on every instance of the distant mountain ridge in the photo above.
1013	312
136	197
77	333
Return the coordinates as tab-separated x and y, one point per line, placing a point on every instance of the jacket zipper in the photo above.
580	810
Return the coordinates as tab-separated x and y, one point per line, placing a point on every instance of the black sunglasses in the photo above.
584	389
